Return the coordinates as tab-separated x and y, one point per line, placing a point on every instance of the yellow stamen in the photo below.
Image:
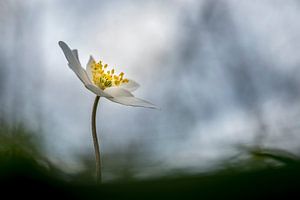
106	78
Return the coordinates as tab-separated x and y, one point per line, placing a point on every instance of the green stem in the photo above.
95	140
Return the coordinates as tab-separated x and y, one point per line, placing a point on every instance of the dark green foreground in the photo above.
23	175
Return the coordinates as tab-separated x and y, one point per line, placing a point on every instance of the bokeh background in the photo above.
224	73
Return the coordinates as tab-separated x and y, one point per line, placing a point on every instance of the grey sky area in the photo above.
224	73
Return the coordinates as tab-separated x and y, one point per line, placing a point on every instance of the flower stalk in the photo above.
95	140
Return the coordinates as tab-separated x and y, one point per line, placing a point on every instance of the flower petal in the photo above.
96	90
74	63
130	86
75	53
69	55
81	74
117	92
133	101
89	68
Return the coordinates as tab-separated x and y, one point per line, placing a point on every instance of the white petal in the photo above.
81	74
118	92
74	63
130	86
96	90
75	53
89	68
133	101
69	55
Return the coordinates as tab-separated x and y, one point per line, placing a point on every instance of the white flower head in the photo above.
103	82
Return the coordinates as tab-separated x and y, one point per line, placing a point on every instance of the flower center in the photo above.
104	78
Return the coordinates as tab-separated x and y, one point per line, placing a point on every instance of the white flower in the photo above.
102	82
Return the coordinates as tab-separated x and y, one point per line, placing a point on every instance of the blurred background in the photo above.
224	73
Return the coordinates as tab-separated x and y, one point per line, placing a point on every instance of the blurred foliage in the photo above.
20	154
263	173
17	141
